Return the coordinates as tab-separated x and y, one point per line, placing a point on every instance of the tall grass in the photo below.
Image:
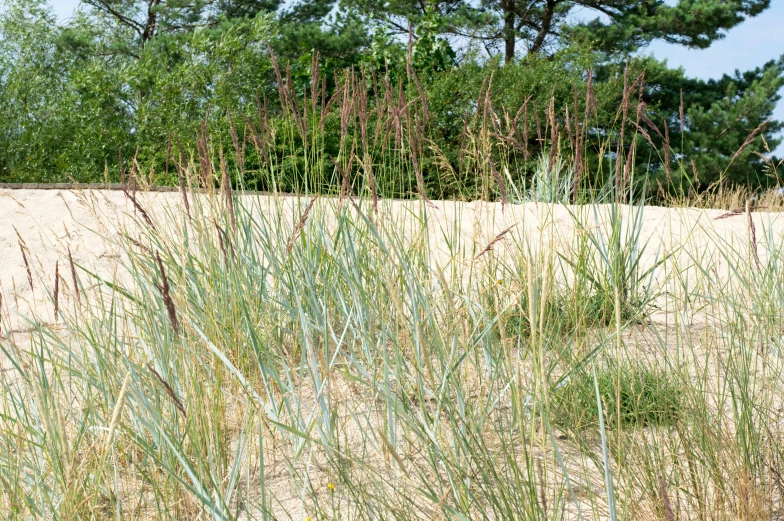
270	357
373	135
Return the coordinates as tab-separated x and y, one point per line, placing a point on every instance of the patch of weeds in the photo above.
599	307
518	324
642	396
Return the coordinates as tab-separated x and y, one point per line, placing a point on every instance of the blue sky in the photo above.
749	45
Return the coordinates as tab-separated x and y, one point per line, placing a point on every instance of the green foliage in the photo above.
643	396
340	36
73	95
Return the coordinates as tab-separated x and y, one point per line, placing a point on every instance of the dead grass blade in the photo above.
23	247
492	243
167	299
175	399
73	277
56	288
300	224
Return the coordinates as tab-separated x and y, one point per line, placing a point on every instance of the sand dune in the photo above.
46	224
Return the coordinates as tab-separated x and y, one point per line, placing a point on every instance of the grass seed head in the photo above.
167	299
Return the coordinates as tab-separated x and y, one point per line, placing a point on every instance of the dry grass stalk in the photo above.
361	109
542	493
501	185
695	174
492	243
525	132
181	173
226	188
223	239
367	164
282	94
167	299
137	244
346	108
364	117
205	163
23	247
553	150
642	117
133	178
748	141
345	183
390	449
314	81
752	234
590	98
421	182
511	140
619	153
479	102
300	224
117	413
415	149
56	288
299	119
259	138
523	110
73	277
581	137
326	108
576	121
669	515
487	109
423	97
667	160
539	137
681	114
738	211
628	167
132	197
168	388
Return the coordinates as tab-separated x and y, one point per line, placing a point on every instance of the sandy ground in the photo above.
49	223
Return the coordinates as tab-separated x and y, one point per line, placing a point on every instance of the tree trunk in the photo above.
547	20
152	22
509	30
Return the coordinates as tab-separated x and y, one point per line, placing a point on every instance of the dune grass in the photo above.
327	358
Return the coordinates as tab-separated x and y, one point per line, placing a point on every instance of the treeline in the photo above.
449	98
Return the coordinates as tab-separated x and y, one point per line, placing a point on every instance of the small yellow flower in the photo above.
331	487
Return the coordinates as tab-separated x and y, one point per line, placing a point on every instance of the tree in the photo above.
549	24
339	35
719	115
146	19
